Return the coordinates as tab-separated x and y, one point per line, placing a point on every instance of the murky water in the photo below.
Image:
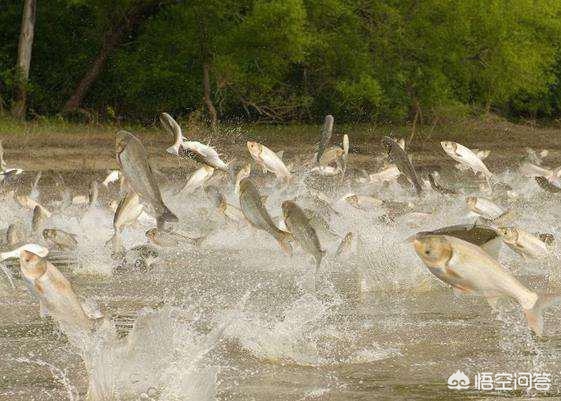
234	319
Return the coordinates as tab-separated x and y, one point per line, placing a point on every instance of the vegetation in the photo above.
285	60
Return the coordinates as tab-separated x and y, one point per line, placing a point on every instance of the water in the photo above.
235	319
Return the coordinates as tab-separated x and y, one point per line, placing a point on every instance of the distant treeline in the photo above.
286	60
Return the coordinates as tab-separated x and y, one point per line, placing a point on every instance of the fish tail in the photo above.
284	239
534	316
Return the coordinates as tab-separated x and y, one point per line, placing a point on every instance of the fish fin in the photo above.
280	154
284	241
534	316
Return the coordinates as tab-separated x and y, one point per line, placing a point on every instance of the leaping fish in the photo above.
469	269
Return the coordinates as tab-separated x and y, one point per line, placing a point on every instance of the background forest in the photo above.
284	60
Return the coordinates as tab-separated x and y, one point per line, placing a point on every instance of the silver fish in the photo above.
300	228
325	136
170	239
398	156
136	169
62	239
254	211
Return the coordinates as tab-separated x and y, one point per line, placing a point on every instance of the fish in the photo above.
326	171
222	206
26	202
15	235
269	160
197	179
485	207
111	177
171	239
93	194
344	247
55	292
345	155
398	156
136	169
486	237
325	136
470	270
363	202
244	172
128	211
205	154
3	165
171	126
523	243
38	219
62	239
139	258
466	156
319	223
254	211
330	156
304	234
390	173
481	155
547	185
435	185
547	238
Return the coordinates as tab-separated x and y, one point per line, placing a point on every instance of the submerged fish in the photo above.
171	126
170	239
268	160
469	269
325	136
136	169
433	180
139	258
55	292
254	211
388	174
363	202
302	231
62	239
523	243
398	156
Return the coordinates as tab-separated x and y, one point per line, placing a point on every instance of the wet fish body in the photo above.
398	156
325	136
136	169
62	239
268	160
523	243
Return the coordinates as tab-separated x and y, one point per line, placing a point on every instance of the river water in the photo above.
235	318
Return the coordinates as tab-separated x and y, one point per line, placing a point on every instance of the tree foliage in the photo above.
286	60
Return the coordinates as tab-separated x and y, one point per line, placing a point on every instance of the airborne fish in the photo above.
254	211
469	269
205	154
62	239
38	219
136	169
171	126
523	243
465	156
398	156
170	239
244	172
268	160
485	207
128	211
302	231
54	292
197	179
325	136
